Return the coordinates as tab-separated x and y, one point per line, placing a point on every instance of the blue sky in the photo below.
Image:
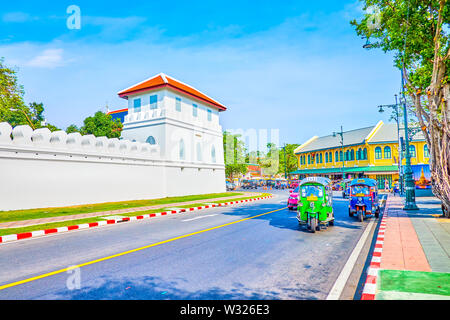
296	66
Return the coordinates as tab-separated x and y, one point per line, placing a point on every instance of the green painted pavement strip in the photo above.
394	295
417	282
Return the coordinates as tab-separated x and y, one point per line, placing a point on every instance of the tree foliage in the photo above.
99	125
234	153
291	160
417	32
13	109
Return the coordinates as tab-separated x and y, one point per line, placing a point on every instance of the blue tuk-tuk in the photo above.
363	199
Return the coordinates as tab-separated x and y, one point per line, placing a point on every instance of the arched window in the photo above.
341	156
336	156
309	159
426	152
213	154
199	152
326	157
387	153
182	154
331	157
358	154
364	156
378	154
352	155
321	159
151	140
347	155
412	151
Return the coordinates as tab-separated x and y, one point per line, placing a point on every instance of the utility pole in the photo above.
341	134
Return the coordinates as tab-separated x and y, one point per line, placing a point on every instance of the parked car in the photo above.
249	184
230	186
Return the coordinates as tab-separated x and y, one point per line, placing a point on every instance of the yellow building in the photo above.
370	152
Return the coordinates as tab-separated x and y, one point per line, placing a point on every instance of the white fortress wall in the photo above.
39	168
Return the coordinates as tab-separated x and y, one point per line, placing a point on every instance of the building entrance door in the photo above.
381	180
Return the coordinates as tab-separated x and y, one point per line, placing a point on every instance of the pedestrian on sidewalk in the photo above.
396	190
386	185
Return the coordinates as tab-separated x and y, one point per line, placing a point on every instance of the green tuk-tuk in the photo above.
315	203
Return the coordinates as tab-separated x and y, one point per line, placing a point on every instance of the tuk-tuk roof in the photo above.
321	180
364	181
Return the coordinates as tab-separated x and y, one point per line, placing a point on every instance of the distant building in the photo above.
253	171
119	114
367	152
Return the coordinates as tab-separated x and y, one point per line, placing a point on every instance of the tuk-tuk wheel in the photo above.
350	214
360	216
313	225
331	222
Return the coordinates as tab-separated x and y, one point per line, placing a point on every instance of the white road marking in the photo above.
339	285
201	217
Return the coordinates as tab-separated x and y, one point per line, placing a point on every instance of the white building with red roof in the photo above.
180	119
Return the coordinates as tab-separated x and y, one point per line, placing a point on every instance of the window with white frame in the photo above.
182	155
137	105
199	152
178	104
213	154
194	110
153	102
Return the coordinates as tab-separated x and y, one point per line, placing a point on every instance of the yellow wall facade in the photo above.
419	158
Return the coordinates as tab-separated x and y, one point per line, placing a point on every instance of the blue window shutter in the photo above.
194	110
137	105
153	102
178	104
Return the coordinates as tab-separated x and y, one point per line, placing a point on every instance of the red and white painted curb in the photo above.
33	234
370	286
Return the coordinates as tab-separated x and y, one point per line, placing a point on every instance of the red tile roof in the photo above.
162	80
118	111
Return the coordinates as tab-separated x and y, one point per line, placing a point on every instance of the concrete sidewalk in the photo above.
415	258
32	222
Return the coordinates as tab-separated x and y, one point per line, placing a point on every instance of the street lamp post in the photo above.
285	164
410	201
397	118
410	186
341	134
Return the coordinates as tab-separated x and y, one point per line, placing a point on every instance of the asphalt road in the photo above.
266	257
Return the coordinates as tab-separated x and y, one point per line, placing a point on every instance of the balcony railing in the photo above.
146	115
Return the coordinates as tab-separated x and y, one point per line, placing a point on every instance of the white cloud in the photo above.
49	58
17	17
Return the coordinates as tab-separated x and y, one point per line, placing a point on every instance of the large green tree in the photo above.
234	153
12	106
100	125
11	93
291	162
417	32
